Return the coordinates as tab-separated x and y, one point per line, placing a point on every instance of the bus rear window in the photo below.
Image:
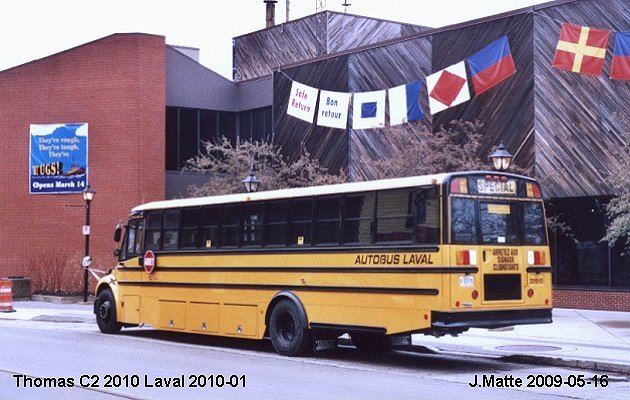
498	222
463	220
481	221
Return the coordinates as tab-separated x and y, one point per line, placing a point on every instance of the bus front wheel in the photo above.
105	308
289	334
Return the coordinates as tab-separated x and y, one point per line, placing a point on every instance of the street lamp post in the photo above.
88	196
501	158
251	183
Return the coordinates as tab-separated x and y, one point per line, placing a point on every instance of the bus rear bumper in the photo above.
463	320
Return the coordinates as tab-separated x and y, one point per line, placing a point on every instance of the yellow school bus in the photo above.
377	260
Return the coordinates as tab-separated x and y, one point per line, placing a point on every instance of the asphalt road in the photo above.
51	360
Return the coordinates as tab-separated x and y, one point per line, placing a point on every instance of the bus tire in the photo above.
105	309
372	343
289	334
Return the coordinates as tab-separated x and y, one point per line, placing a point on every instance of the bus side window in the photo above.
133	239
170	229
301	222
394	216
358	216
189	236
153	238
328	220
276	223
209	218
253	224
427	211
230	225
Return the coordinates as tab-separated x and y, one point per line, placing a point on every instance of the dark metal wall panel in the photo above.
259	53
559	122
328	145
576	132
506	110
377	69
351	31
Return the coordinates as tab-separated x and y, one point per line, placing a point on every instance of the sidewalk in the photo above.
596	340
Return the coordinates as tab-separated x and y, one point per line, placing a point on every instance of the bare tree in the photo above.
227	164
417	151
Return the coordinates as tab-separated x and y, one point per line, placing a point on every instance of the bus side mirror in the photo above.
117	253
118	233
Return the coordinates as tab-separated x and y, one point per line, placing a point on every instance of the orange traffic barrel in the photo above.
6	299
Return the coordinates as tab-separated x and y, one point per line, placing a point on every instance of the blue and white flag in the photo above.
333	109
403	103
368	110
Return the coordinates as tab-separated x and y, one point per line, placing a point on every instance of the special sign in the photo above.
496	187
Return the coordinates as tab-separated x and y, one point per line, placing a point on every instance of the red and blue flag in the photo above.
620	68
491	65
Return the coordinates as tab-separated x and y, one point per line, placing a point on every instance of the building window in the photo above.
579	257
187	129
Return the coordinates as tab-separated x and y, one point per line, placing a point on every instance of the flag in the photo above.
302	101
581	49
333	109
403	103
368	110
448	88
620	68
491	65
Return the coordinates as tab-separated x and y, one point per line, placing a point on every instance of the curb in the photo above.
599	366
61	299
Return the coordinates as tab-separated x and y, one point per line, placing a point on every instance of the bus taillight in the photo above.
466	257
530	293
459	185
536	257
533	190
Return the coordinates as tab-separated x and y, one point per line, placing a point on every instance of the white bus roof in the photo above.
298	192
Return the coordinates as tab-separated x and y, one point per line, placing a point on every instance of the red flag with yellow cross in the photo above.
581	49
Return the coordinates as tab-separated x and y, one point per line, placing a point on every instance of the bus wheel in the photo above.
105	308
289	335
373	343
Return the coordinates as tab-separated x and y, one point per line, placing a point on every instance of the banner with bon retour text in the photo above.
58	158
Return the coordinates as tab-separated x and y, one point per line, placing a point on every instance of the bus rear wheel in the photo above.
289	334
105	309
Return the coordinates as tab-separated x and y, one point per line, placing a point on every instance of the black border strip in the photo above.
348	289
351	270
348	328
341	249
538	270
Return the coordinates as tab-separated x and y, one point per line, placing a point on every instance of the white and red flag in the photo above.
448	87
